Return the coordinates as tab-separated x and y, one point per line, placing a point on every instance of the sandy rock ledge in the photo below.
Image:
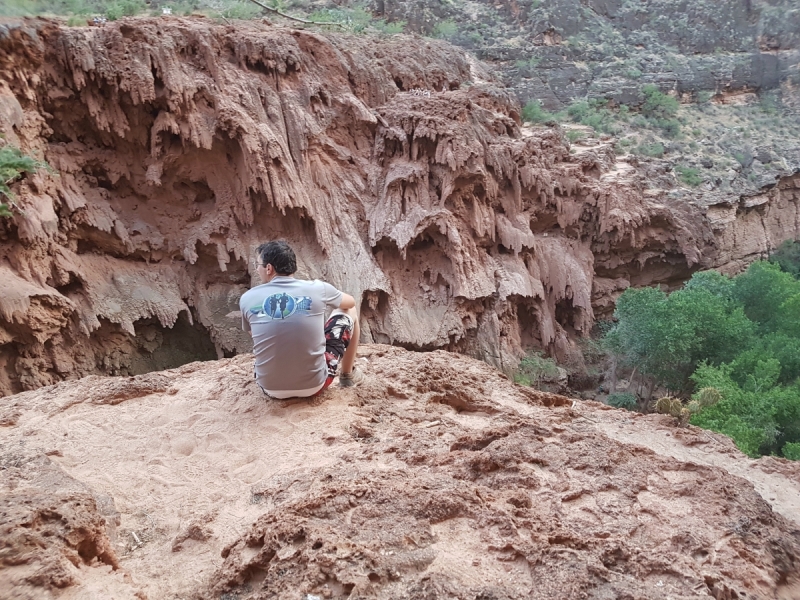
437	478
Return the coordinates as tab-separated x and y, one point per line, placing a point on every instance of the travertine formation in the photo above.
178	145
436	478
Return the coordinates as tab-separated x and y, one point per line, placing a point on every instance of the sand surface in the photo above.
436	478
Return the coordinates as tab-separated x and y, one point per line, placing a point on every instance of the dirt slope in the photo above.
438	478
179	144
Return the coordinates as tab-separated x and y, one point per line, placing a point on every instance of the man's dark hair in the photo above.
280	255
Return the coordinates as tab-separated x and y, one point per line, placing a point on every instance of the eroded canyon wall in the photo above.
177	145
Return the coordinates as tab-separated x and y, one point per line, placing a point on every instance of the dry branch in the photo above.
298	19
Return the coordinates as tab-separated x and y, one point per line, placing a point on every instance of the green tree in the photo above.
764	291
648	338
787	257
760	416
666	337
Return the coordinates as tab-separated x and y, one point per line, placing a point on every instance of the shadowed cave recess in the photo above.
176	147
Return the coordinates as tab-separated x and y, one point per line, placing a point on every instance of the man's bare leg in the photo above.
349	358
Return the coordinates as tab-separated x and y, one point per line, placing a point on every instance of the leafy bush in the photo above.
624	400
704	97
791	450
124	8
633	73
445	29
389	28
657	105
534	113
535	368
689	175
594	114
355	19
527	66
670	127
573	135
660	110
760	416
653	150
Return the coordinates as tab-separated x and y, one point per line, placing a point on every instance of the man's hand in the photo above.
348	302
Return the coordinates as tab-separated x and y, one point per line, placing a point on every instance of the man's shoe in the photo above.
351	379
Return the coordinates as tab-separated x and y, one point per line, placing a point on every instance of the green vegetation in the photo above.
13	164
124	8
658	105
653	150
660	110
355	17
535	368
531	63
689	175
787	257
734	340
657	111
573	135
533	112
445	30
624	400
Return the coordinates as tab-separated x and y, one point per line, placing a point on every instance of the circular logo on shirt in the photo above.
279	306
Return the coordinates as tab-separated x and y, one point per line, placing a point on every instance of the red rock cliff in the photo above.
178	145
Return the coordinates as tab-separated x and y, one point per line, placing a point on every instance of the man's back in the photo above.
286	317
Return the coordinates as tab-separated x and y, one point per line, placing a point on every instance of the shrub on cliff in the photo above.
535	368
13	163
689	175
661	110
533	112
594	114
657	105
445	30
124	8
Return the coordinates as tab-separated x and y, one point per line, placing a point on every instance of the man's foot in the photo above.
351	379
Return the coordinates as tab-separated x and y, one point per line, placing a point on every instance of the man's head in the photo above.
276	258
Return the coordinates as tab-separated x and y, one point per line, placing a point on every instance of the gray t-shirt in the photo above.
287	319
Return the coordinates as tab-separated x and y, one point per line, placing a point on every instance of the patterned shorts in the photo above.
338	331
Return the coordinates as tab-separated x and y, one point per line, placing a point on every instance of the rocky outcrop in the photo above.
435	478
53	528
609	48
178	145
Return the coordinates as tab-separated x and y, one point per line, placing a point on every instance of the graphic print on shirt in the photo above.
282	306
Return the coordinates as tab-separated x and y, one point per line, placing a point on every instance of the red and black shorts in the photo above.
338	331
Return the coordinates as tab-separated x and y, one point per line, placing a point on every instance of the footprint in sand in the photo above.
251	472
300	416
183	444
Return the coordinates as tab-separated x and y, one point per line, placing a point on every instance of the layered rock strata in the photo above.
177	145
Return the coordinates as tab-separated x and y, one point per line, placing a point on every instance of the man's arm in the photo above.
348	302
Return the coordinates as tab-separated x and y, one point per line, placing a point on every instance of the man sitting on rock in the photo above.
297	352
